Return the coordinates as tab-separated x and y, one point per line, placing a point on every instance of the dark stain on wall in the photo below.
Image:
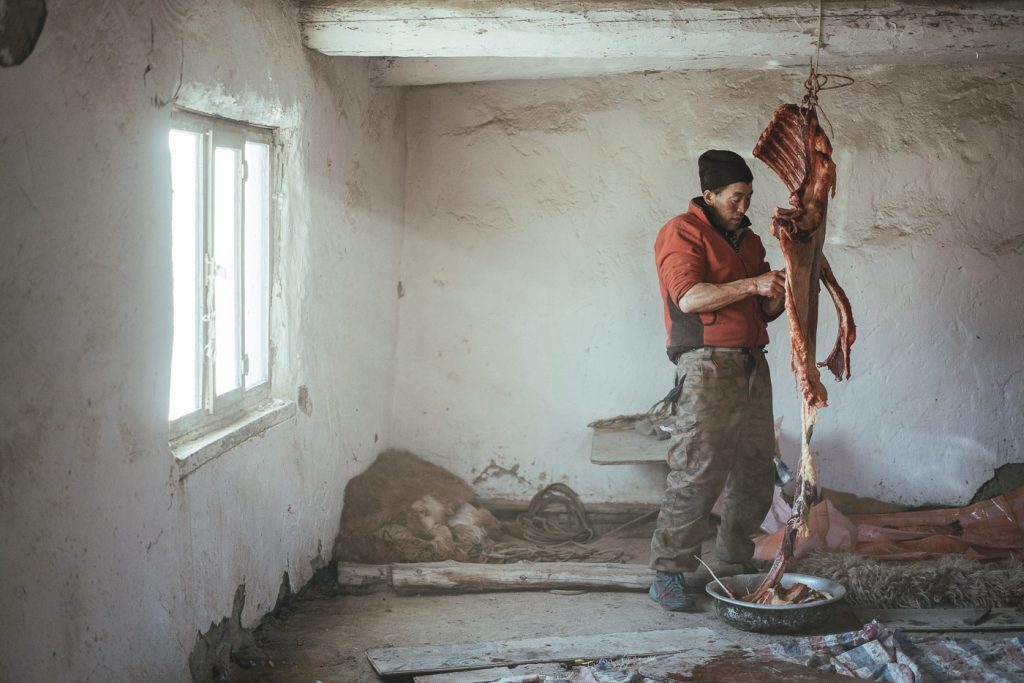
20	29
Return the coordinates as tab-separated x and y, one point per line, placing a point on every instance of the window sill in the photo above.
192	452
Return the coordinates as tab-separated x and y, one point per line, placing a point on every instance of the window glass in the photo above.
227	164
186	255
257	262
221	215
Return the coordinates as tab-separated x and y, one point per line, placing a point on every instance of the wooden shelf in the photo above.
626	447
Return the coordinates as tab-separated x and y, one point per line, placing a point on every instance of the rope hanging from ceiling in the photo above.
816	82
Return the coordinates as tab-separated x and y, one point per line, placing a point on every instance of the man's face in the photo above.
729	204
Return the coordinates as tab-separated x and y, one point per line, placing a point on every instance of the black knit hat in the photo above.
719	167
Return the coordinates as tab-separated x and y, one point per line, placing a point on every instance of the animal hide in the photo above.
405	509
951	581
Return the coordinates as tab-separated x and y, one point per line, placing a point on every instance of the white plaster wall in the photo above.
110	565
531	304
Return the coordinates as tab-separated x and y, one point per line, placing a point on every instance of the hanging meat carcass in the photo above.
796	148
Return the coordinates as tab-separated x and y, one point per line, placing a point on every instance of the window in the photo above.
220	259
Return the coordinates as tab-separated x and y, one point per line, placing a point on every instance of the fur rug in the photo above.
405	509
949	581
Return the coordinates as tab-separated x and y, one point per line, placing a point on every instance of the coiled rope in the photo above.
540	528
563	541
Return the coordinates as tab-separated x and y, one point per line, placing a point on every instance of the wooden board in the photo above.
999	619
626	447
519	575
364	578
490	675
474	676
473	577
420	659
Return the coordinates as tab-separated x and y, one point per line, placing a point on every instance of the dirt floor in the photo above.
325	639
320	635
323	635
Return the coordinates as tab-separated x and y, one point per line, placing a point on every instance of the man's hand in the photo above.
771	284
705	297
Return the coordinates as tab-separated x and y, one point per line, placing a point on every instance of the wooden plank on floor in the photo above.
364	578
474	676
998	619
491	675
468	576
423	659
626	447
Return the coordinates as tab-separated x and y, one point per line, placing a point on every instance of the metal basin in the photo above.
774	618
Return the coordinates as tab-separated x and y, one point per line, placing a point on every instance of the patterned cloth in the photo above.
872	653
875	653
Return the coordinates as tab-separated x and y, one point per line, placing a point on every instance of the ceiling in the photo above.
420	43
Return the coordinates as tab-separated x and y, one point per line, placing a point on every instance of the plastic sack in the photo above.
989	529
826	529
778	513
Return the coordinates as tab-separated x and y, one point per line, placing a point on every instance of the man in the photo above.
719	294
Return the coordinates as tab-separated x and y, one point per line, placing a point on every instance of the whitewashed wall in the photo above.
531	304
110	565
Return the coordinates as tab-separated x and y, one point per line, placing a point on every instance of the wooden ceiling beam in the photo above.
611	37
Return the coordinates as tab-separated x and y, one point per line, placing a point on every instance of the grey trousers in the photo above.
723	438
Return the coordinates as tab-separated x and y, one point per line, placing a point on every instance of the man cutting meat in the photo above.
719	294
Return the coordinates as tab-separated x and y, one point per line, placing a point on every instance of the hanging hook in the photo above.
816	82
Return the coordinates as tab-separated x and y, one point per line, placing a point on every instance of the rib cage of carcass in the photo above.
796	148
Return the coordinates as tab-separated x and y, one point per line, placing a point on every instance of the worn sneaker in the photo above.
668	590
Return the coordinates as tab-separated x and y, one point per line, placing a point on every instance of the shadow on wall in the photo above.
20	28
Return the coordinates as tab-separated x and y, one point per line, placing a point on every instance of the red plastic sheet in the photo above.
989	529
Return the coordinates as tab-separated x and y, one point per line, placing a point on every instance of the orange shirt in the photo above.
688	250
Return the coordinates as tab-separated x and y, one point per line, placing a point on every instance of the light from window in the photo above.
227	164
257	262
220	253
186	254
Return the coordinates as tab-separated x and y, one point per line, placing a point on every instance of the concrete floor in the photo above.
320	635
326	638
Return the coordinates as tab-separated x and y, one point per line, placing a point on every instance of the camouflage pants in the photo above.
723	439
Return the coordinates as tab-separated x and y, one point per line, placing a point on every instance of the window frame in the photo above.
216	412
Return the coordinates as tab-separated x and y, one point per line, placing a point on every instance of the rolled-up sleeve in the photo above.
680	260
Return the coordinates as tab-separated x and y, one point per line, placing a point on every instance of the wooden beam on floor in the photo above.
702	643
448	576
473	577
364	578
473	676
996	619
552	670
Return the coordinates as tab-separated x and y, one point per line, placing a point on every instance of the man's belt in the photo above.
727	349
